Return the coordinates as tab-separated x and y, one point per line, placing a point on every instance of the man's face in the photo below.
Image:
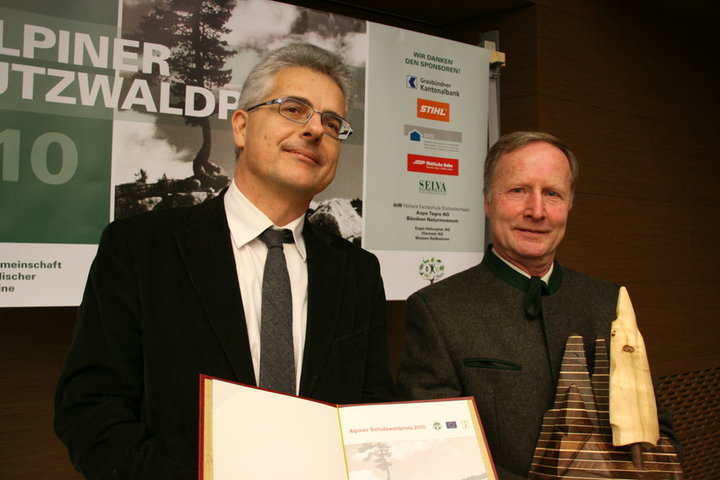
528	206
283	157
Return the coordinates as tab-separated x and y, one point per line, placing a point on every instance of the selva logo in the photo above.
433	110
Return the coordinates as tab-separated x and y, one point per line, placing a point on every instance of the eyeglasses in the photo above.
300	112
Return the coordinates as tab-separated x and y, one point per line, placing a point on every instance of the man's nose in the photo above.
535	207
313	127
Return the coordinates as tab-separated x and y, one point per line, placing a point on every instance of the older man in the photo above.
178	293
497	331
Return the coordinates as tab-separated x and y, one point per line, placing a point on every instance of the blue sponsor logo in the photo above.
411	81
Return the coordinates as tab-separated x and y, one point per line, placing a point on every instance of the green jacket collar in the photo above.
501	270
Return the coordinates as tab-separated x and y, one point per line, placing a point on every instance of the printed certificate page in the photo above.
424	440
256	434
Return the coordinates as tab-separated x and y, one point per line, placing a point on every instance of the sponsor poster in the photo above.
102	117
427	117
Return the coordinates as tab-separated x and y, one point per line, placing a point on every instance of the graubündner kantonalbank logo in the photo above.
431	86
432	186
438	86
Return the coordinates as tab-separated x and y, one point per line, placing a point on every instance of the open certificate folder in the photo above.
250	434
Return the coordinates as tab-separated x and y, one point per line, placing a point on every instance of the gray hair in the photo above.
510	142
260	80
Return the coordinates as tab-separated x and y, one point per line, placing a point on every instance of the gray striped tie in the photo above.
277	357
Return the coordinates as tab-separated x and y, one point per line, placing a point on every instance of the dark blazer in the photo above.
469	335
162	305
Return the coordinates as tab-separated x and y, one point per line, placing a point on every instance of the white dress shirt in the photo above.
246	222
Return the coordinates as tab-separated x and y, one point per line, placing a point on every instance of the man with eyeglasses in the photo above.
182	292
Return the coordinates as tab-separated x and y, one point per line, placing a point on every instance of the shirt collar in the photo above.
545	278
246	221
512	275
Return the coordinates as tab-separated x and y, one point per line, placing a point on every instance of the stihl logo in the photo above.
433	110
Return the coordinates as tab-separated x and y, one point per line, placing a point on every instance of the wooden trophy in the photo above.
605	425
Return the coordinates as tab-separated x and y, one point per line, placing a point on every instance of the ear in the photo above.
239	125
486	203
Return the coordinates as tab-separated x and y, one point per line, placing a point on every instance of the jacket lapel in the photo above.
206	249
326	267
